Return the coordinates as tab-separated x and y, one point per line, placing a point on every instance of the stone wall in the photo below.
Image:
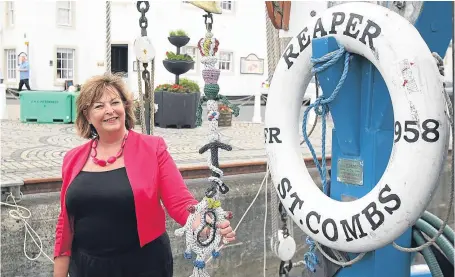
243	258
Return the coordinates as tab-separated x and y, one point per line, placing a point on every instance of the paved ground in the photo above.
36	150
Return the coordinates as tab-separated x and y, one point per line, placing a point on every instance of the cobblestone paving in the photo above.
36	150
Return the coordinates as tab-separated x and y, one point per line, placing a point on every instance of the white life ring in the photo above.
400	54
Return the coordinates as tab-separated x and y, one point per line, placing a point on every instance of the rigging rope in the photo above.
141	99
273	56
108	36
321	108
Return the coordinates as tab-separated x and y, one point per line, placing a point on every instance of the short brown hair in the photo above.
92	91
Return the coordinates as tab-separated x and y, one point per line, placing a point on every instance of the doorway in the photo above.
119	59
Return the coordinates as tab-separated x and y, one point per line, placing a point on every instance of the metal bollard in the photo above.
11	187
257	107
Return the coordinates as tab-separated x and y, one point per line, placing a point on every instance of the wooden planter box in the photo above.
225	119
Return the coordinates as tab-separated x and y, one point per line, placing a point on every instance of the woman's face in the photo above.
108	113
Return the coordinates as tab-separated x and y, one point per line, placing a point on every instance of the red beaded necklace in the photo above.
110	160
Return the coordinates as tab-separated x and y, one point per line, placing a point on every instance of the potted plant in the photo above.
178	104
177	63
225	118
178	38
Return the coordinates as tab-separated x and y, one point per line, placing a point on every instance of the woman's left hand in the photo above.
226	231
224	228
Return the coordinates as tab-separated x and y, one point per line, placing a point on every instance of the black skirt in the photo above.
152	260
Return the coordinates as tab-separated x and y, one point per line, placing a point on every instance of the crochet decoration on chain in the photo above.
204	239
208	47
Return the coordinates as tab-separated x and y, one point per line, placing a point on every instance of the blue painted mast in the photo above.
363	116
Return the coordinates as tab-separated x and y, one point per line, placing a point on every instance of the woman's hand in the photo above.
226	230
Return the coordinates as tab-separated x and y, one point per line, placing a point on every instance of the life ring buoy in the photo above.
400	54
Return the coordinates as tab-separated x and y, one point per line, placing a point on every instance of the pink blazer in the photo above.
153	175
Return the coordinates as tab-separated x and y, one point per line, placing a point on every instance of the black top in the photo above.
102	204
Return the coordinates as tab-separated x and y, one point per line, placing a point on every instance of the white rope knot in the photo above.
21	213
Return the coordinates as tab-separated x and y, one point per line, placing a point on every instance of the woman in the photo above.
111	221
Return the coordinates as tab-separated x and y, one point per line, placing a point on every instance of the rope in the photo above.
272	56
274	218
108	36
21	213
321	108
152	96
315	122
141	98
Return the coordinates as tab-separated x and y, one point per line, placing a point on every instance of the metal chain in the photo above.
149	108
108	36
284	220
284	268
143	23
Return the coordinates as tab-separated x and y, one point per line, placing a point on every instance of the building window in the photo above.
65	63
64	17
226	5
192	51
11	63
225	61
10	11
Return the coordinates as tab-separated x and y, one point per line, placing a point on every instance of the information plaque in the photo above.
350	172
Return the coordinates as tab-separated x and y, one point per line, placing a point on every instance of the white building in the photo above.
65	40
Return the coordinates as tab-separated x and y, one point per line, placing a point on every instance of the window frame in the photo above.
69	50
70	13
6	76
10	13
231	61
196	58
231	3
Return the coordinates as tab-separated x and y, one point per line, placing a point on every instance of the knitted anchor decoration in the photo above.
209	209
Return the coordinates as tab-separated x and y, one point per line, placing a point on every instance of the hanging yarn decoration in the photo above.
196	242
204	239
208	47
